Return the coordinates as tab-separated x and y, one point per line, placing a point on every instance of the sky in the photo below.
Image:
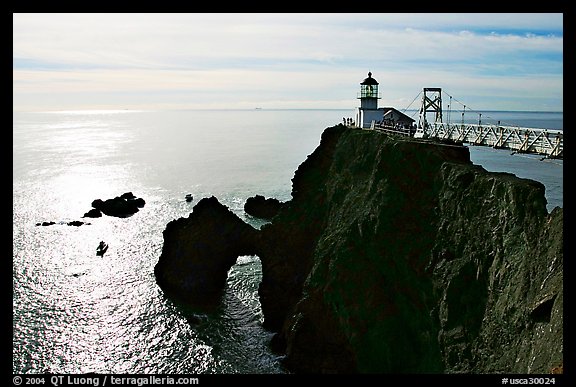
492	61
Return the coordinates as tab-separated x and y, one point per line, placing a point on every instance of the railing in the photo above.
522	140
369	94
398	130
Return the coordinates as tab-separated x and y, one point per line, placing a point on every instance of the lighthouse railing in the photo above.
369	94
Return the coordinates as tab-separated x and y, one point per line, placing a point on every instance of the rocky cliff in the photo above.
199	250
398	255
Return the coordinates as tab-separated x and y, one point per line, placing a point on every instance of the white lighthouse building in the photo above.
369	111
369	96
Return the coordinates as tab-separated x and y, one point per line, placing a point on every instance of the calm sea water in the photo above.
74	312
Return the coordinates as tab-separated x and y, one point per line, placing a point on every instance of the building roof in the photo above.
369	80
390	110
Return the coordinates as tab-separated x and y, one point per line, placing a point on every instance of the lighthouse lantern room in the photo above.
369	96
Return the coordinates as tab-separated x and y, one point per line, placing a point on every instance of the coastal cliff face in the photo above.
398	255
498	274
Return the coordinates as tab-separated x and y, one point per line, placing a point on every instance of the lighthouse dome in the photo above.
369	80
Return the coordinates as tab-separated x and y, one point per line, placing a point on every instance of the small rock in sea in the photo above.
93	213
128	195
189	197
45	224
121	206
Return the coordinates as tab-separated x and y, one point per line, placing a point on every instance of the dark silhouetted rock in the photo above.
128	196
263	208
97	203
76	223
189	197
199	250
45	224
394	255
93	213
120	206
138	202
401	256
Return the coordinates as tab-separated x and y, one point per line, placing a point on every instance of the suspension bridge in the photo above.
546	142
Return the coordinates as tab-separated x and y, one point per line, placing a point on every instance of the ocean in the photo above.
75	312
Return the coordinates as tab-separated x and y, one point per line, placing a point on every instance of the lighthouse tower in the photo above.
368	96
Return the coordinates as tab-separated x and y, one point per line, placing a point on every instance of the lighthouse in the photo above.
369	111
368	96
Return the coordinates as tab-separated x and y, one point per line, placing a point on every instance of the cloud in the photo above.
256	58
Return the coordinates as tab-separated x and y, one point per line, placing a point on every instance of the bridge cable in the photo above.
478	112
405	109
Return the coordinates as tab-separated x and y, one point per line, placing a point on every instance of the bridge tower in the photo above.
431	103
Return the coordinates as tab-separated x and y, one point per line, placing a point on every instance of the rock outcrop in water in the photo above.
199	250
75	223
121	206
261	207
398	255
